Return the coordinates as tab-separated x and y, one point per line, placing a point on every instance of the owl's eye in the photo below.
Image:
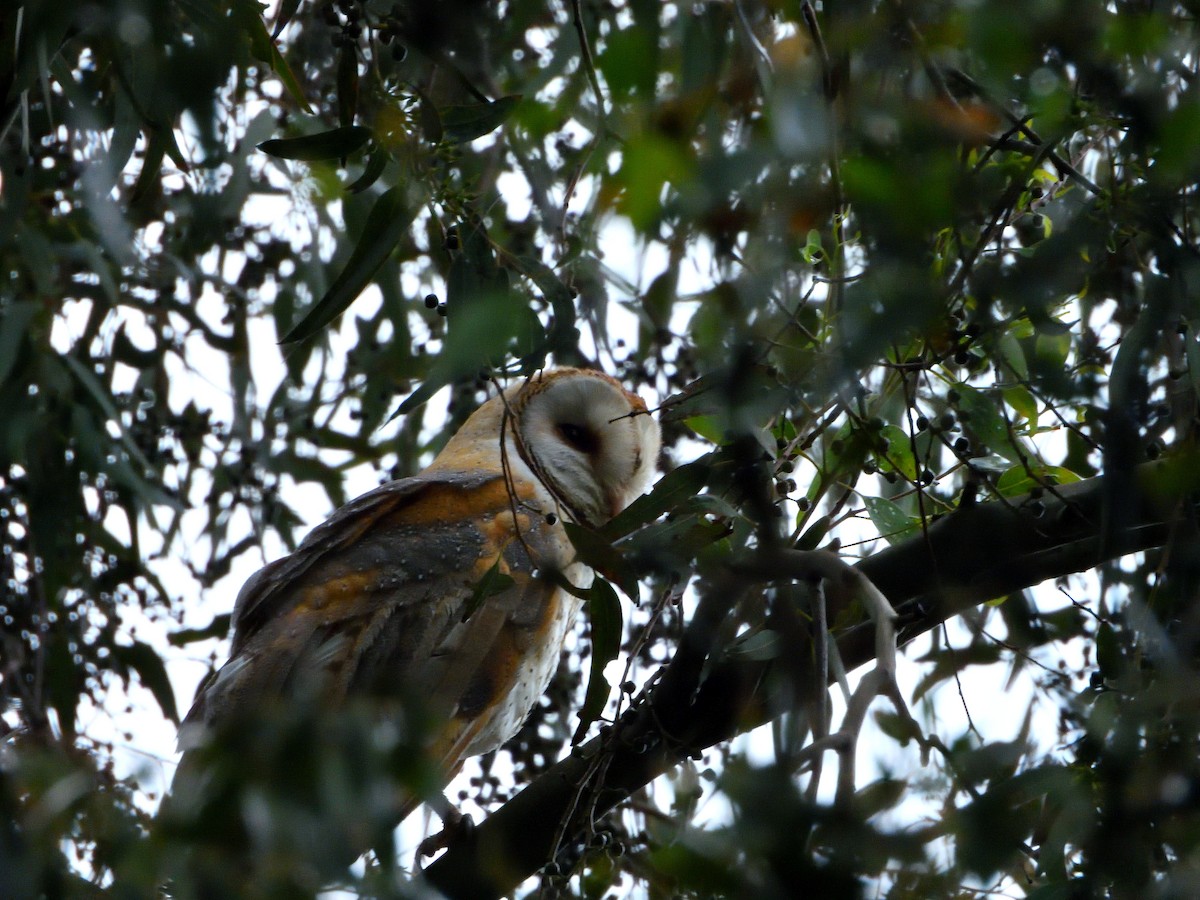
580	437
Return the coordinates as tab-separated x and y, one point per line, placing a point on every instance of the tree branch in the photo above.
976	554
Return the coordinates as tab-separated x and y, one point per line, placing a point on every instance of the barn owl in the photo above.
382	599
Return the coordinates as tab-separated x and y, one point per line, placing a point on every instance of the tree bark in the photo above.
978	553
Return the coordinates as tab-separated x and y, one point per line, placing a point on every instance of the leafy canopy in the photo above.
885	264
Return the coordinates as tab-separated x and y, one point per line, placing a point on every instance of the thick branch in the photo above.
978	553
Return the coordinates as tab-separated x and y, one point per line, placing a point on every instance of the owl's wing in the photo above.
270	591
378	600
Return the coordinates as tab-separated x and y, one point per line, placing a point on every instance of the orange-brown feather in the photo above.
374	602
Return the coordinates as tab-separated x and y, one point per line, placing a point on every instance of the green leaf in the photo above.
1023	402
333	144
895	453
1052	350
478	336
1013	354
704	45
595	550
557	294
672	489
628	61
604	614
648	162
465	123
757	646
493	582
419	396
892	522
386	223
980	417
104	400
706	427
899	728
879	795
676	545
1024	478
813	252
264	48
709	504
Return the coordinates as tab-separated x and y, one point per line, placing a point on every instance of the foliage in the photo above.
884	263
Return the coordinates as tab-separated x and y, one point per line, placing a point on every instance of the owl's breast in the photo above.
517	671
537	615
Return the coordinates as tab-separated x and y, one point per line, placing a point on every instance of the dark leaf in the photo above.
595	550
672	489
879	795
264	48
493	582
465	123
13	324
386	223
151	672
334	144
815	533
376	162
1108	651
217	628
757	646
280	67
951	663
429	118
563	336
604	614
106	404
287	9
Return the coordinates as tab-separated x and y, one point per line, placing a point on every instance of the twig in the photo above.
1021	125
828	81
586	51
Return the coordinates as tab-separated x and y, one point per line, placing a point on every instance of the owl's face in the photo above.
587	439
580	437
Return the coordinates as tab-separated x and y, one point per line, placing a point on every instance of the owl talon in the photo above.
455	827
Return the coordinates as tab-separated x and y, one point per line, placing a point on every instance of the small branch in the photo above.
829	81
762	59
589	65
820	716
1020	125
969	557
